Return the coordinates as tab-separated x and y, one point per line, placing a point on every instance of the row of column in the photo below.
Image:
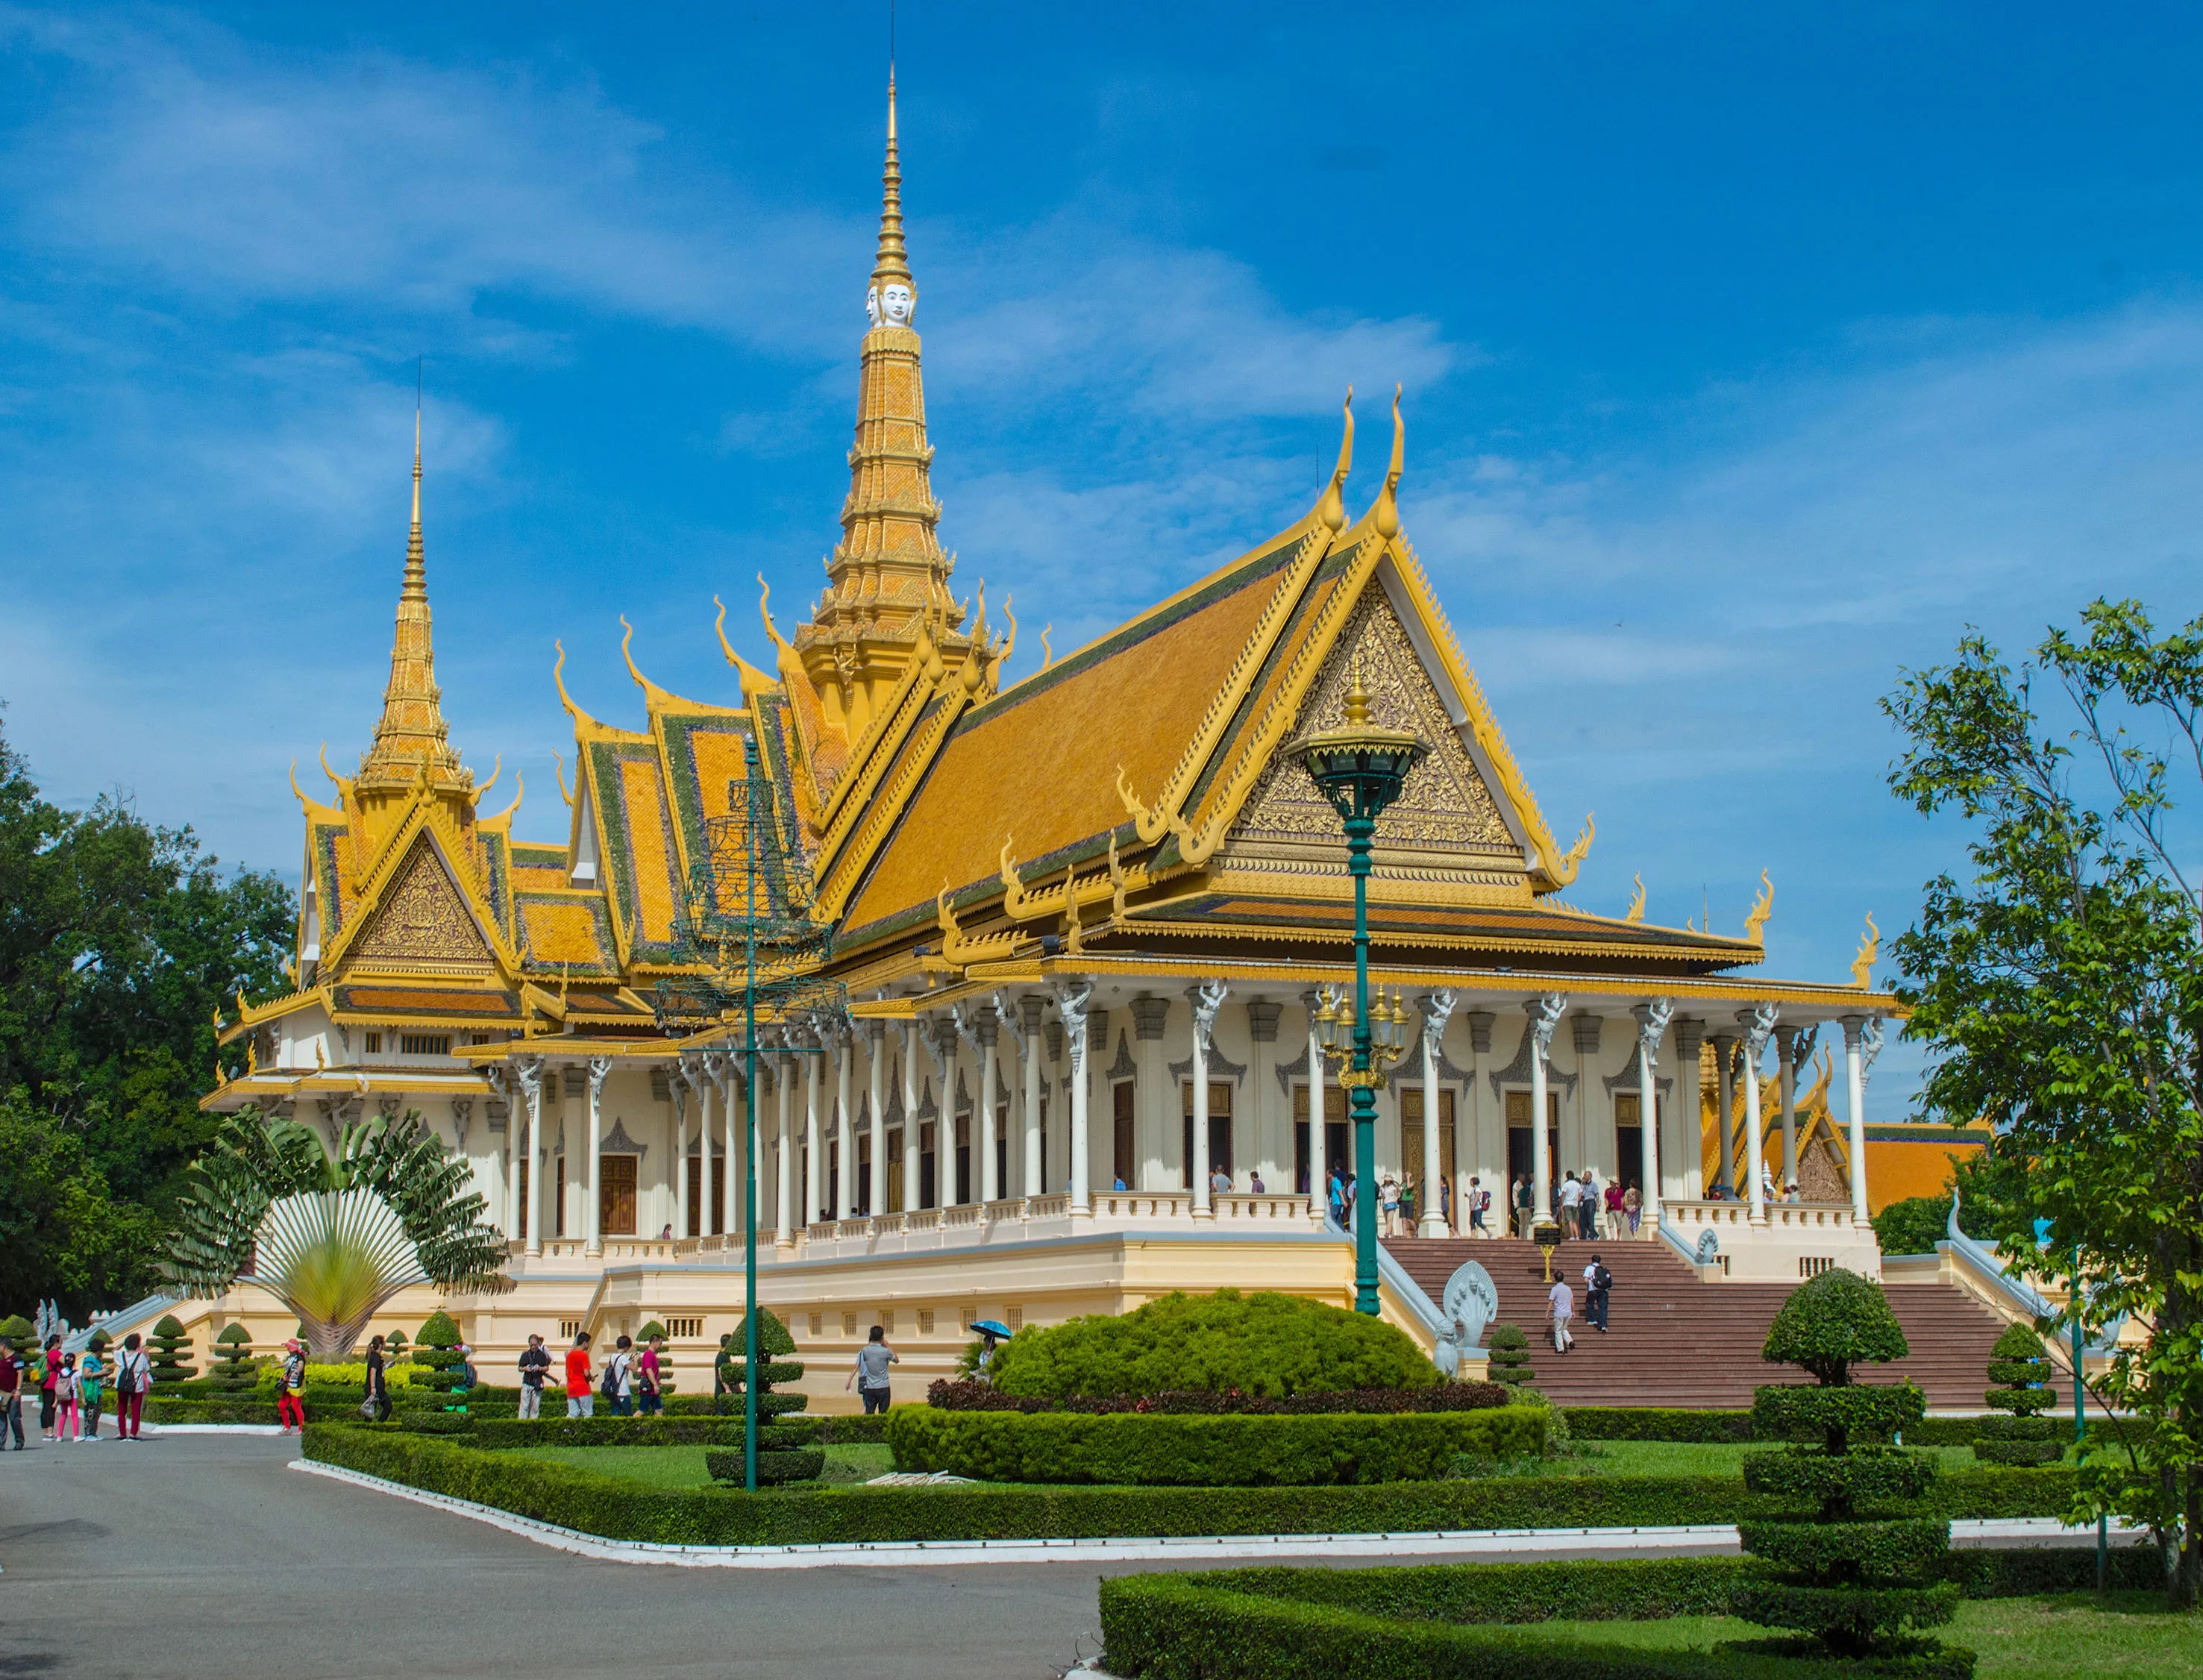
701	1078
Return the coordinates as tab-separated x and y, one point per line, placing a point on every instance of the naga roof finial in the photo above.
1387	514
1332	510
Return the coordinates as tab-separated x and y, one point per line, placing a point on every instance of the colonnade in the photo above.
1043	1059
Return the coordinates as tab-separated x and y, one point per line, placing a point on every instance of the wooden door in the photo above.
1126	1171
693	1166
616	1199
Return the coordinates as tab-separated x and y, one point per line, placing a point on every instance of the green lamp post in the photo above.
1360	768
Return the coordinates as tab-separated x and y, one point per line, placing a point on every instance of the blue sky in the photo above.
1750	352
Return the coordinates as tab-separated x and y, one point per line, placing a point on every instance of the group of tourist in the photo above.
72	1389
1397	1202
1582	1206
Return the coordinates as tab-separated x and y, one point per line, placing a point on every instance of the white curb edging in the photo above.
923	1553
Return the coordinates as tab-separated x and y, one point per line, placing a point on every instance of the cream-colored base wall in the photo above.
925	1300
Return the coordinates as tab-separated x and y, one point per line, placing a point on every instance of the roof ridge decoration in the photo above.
1166	815
750	677
411	740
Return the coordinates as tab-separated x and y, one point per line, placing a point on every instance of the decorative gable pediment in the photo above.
1447	821
423	924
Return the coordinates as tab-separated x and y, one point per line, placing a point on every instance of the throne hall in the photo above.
1084	920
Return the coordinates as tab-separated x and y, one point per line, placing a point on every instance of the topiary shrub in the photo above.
1853	1566
2020	1368
1510	1355
172	1351
1264	1343
440	1374
18	1332
396	1350
778	1460
234	1371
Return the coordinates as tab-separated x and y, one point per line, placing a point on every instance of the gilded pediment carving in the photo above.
423	921
1446	807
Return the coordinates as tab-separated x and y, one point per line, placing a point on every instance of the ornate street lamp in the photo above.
1360	767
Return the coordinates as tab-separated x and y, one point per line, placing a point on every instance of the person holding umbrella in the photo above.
990	1331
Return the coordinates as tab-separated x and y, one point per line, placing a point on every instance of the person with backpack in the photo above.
649	1378
291	1388
1480	1201
133	1375
619	1385
1599	1285
65	1386
1526	1207
49	1371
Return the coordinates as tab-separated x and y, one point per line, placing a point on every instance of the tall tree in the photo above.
119	941
2060	993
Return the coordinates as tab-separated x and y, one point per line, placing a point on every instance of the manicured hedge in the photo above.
498	1433
160	1409
1155	1449
620	1510
975	1395
1676	1424
1280	1624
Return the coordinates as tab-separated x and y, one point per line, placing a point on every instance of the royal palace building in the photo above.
1084	924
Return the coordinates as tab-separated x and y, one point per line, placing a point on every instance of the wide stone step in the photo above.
1675	1341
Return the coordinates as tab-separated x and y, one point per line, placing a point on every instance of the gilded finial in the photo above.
564	792
297	792
764	611
335	780
1047	653
628	637
1331	509
417	564
519	793
1755	921
1870	945
1636	910
557	677
1387	516
1357	699
496	770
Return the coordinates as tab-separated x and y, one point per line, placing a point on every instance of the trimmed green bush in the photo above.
495	1434
1852	1563
1131	1449
775	1467
234	1371
1265	1343
1509	1351
440	1374
171	1350
1703	1427
18	1332
601	1504
2020	1372
730	1374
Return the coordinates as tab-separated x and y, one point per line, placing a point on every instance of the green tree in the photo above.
119	944
2059	992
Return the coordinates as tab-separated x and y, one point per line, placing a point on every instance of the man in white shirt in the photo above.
1563	1302
1571	1198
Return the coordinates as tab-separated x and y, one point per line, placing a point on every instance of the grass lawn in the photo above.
684	1466
2130	1636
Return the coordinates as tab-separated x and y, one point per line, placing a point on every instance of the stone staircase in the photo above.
1674	1341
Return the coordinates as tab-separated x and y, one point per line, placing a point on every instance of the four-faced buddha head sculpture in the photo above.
892	304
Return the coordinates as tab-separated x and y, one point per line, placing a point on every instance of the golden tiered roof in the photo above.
1127	809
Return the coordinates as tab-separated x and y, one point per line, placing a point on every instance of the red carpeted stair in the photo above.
1674	1341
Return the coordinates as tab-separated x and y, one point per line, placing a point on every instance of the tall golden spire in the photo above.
888	578
410	742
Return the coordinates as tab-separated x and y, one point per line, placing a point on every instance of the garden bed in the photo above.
619	1509
1629	1619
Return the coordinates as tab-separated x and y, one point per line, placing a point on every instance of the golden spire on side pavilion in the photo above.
411	741
887	576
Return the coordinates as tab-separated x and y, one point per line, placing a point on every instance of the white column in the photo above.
813	1159
592	1198
1430	1217
530	1070
845	1132
1686	1139
1725	1098
1651	1027
876	1181
1792	1044
783	1154
1480	1154
1319	1159
1544	1016
1207	997
1029	1044
1855	1082
1262	1018
1759	1024
733	1124
678	1083
911	1165
1070	1002
988	1027
573	1082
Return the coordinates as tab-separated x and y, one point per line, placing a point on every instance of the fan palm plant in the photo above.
333	1236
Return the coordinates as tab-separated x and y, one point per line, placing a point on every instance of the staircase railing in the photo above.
1986	1264
1391	1274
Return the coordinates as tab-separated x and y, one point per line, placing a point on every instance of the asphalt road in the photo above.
200	1556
